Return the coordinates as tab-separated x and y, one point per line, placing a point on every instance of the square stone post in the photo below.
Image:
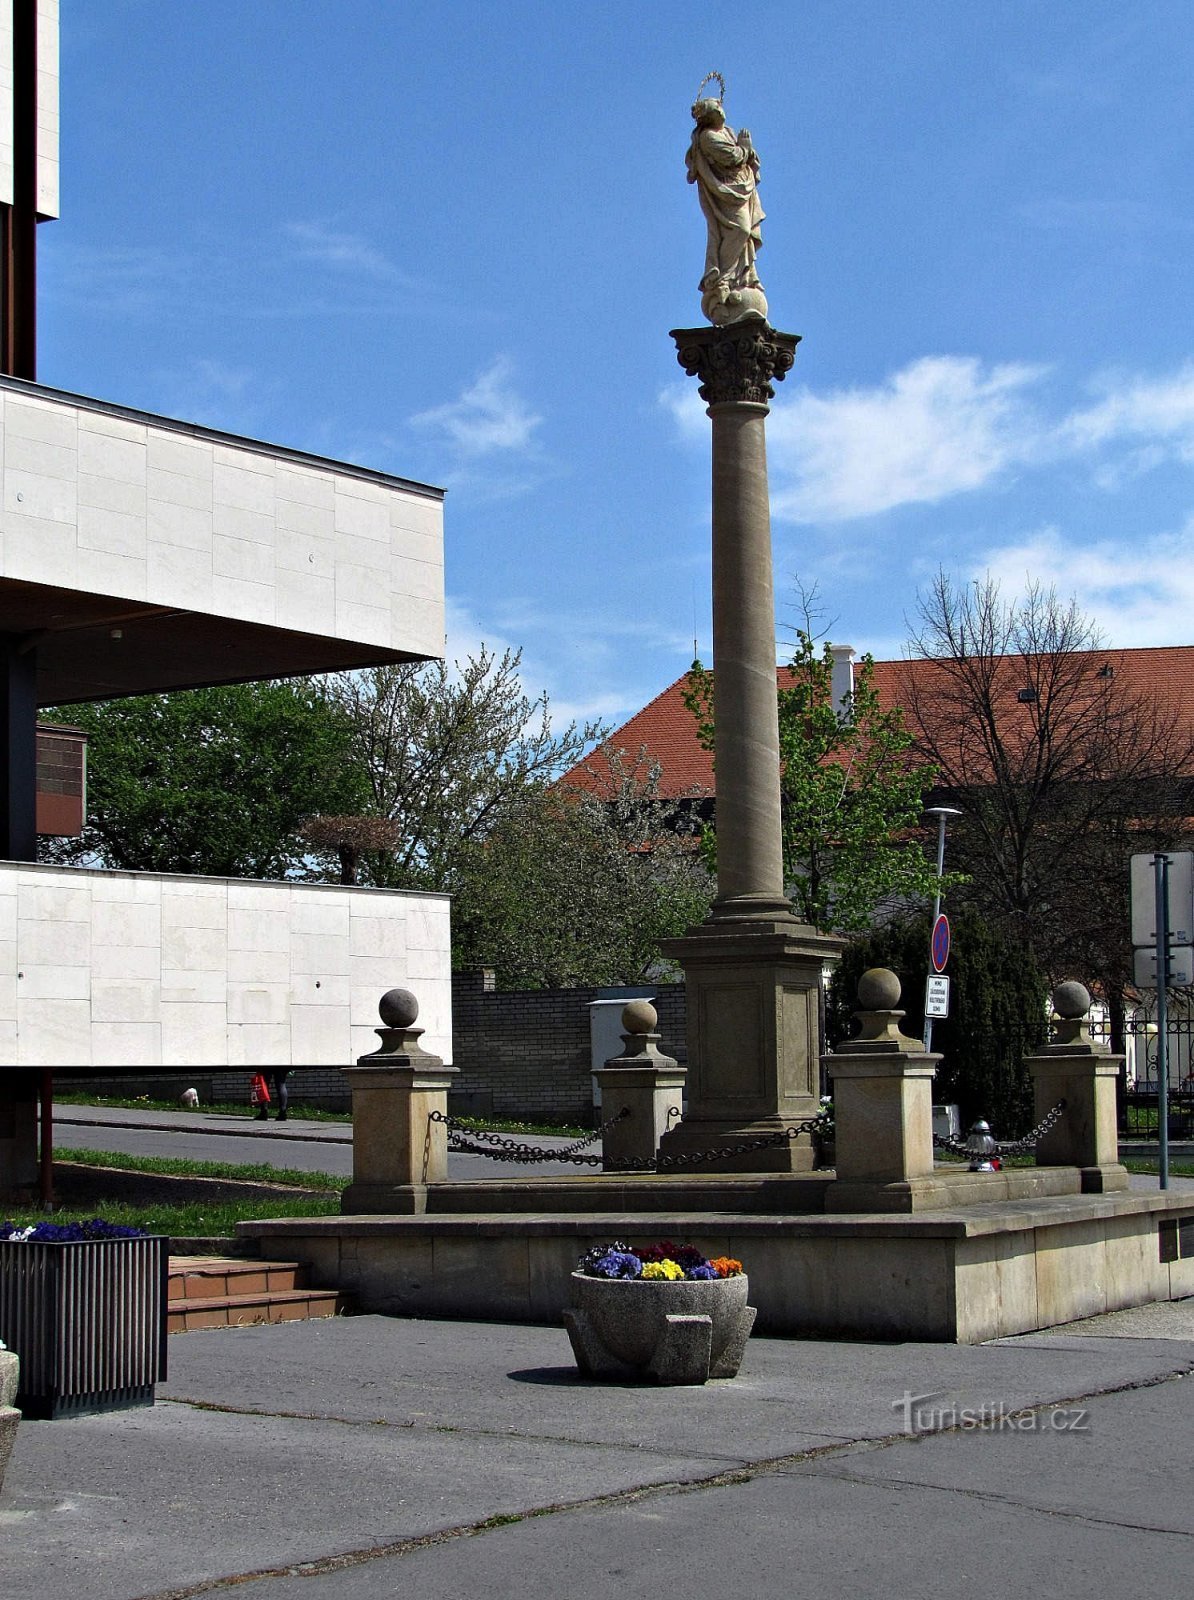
1084	1074
398	1151
753	971
644	1082
882	1109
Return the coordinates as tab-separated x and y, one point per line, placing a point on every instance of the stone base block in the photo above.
950	1187
695	1138
1111	1178
385	1199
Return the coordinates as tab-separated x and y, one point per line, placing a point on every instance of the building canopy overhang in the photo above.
102	647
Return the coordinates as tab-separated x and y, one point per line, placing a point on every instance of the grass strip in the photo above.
1149	1164
181	1167
297	1112
199	1219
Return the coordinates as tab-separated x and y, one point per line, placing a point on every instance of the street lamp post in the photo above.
942	813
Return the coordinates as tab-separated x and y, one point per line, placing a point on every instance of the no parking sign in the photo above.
939	946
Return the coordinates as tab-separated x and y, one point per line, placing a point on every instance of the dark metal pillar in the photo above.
18	750
18	222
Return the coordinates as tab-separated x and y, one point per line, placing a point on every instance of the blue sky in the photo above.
448	240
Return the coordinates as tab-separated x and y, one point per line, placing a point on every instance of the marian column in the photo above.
753	971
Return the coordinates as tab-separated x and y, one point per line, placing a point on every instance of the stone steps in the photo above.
223	1292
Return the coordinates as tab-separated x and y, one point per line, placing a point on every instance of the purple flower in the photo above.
701	1272
69	1232
617	1264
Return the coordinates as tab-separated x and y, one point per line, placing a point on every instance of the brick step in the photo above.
213	1277
219	1292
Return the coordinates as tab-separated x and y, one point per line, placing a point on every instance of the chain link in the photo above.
472	1141
697	1158
1013	1147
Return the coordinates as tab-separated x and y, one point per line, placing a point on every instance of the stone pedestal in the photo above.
882	1109
397	1150
643	1081
1084	1074
753	971
753	1041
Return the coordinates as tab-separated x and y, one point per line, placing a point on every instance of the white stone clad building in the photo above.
140	553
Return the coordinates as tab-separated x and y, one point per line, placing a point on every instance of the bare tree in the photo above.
1061	764
447	751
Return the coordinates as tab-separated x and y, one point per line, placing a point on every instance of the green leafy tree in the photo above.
998	1011
211	781
580	886
851	787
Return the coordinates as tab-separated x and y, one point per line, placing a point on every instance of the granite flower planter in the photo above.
672	1331
87	1319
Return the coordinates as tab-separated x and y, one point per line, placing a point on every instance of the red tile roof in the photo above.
666	730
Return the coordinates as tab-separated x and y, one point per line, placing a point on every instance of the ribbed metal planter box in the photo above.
88	1320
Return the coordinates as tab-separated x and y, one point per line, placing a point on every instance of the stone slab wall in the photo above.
965	1276
526	1054
106	500
111	969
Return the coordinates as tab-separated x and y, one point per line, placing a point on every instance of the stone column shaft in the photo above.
746	720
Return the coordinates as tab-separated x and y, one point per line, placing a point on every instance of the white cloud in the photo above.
941	426
1139	408
1138	596
489	417
948	425
687	409
334	248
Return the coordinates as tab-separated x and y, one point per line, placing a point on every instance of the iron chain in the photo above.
472	1141
696	1158
1013	1147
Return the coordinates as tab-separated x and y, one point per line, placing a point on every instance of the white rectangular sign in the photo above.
1181	967
1181	898
937	996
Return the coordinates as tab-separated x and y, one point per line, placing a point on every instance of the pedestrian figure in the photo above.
259	1094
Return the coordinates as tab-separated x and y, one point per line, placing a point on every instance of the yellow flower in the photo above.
668	1270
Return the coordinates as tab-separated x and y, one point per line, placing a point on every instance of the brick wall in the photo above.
525	1053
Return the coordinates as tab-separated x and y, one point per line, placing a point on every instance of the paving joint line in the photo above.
420	1425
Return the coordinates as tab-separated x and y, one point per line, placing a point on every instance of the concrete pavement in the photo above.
366	1457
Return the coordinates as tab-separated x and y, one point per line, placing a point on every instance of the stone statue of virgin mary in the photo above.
725	168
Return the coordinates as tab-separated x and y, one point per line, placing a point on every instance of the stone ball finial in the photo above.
1071	1000
398	1008
639	1016
878	990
